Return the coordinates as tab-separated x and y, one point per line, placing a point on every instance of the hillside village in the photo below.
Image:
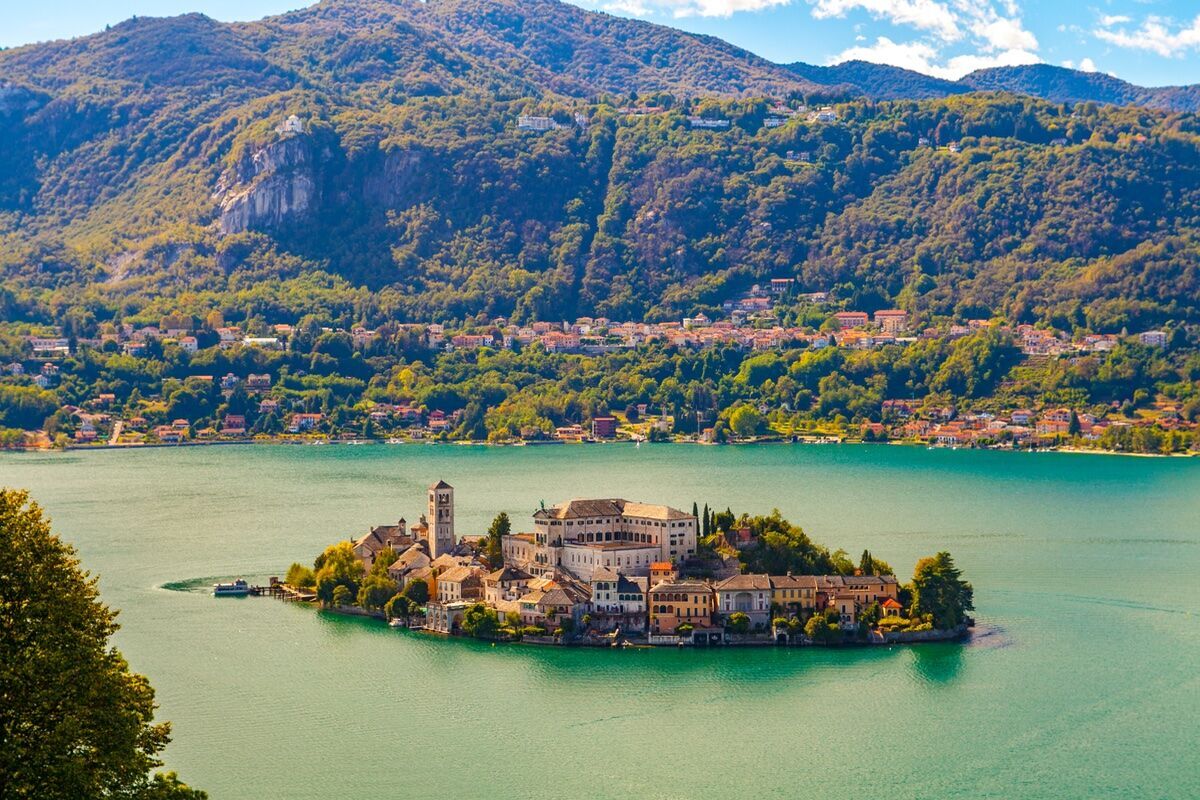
611	571
255	408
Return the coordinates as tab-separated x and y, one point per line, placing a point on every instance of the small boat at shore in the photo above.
238	588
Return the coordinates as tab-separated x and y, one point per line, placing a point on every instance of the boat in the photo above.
395	441
238	588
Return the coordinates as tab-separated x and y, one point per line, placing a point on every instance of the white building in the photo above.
290	126
628	558
747	594
539	124
586	535
1153	338
711	124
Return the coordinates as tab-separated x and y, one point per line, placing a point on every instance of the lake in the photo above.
1084	685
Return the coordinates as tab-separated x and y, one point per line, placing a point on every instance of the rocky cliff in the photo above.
270	186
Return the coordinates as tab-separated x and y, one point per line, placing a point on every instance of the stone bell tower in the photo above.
441	519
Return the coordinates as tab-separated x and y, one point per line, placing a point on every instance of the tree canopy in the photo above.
75	722
939	590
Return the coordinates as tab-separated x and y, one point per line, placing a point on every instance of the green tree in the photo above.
939	590
870	565
399	607
481	622
341	595
383	559
823	628
739	622
375	591
300	576
74	721
494	547
745	421
338	566
417	591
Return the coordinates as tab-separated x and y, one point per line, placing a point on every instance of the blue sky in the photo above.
1151	42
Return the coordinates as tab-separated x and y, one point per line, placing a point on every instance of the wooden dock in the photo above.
281	591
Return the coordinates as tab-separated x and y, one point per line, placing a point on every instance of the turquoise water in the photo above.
1085	570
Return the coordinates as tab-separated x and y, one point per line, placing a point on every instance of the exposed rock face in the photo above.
17	99
392	184
274	185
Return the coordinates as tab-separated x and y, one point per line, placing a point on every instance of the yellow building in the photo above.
676	602
794	593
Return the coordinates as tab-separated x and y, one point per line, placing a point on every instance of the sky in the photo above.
1149	42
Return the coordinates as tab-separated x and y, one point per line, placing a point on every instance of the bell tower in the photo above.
441	519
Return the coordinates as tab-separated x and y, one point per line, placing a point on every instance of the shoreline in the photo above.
961	635
283	442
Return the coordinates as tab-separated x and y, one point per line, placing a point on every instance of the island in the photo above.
616	572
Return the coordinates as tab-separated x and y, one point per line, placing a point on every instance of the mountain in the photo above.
1056	84
878	81
151	169
1061	85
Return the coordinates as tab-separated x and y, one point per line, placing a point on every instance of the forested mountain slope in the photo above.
144	169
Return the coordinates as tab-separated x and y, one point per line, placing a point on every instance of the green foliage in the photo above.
939	591
480	621
398	607
783	547
746	421
338	568
870	565
417	591
340	596
738	622
494	549
376	591
300	576
76	722
823	628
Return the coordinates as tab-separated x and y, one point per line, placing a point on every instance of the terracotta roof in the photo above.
745	582
506	574
457	575
610	507
794	581
681	586
410	558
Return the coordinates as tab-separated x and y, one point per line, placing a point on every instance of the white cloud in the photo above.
690	8
924	57
1087	65
961	65
1004	33
1108	20
917	56
1154	36
926	15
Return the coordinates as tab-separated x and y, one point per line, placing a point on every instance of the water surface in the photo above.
1085	569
